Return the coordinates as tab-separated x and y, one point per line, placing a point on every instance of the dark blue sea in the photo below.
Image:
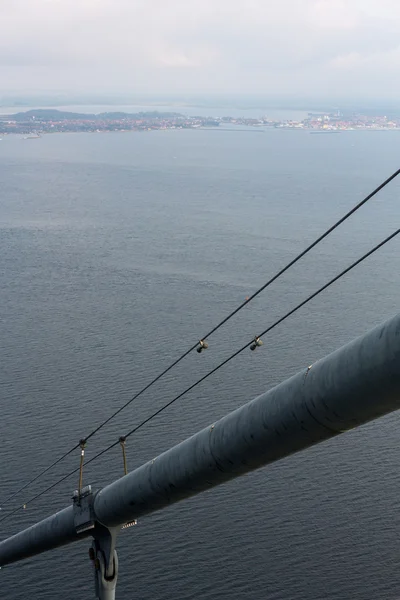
119	251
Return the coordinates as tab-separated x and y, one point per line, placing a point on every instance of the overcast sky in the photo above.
303	48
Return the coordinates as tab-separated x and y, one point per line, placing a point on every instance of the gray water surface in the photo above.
117	252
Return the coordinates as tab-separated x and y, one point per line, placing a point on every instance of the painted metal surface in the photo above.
351	386
355	384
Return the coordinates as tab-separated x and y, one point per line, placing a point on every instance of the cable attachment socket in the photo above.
257	342
203	345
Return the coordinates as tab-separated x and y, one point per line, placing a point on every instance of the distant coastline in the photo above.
36	122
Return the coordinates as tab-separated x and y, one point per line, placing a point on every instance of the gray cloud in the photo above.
297	47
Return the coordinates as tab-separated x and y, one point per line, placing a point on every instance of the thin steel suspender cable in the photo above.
275	324
310	247
41	473
165	406
262	288
225	320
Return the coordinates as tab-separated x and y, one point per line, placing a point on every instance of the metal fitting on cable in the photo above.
82	444
202	346
122	441
256	343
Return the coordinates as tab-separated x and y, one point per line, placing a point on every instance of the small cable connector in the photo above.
202	346
256	343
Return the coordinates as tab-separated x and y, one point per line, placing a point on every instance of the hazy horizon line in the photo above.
217	100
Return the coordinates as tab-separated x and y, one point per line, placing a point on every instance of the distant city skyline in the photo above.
336	49
48	121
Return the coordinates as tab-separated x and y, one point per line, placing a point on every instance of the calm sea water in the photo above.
117	251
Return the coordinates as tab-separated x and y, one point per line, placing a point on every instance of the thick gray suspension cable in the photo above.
225	320
165	406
